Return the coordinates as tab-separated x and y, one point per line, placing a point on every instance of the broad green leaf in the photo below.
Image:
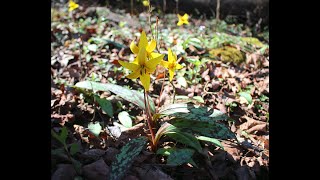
209	139
105	105
62	136
194	113
133	96
95	128
125	158
180	156
213	130
74	148
64	133
185	138
125	119
247	96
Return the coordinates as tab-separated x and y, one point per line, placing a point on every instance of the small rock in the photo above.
64	172
98	170
110	155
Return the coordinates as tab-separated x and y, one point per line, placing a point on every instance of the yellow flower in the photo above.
183	19
143	43
171	64
143	68
72	5
145	3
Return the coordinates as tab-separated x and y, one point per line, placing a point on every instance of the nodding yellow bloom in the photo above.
183	19
143	43
145	3
72	5
171	64
145	63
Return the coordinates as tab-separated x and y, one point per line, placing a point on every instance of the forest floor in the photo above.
225	68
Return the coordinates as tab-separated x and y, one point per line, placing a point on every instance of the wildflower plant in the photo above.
188	125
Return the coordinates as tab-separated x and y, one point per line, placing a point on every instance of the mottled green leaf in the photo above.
247	96
125	119
179	156
213	130
74	148
133	96
194	113
125	158
105	105
209	139
95	128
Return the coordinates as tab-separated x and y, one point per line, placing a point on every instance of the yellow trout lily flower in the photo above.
183	19
145	3
171	64
143	43
142	68
72	5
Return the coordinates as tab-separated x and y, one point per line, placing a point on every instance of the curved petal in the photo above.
142	56
145	80
164	64
143	42
172	58
151	46
154	55
185	17
130	66
178	66
134	48
186	22
179	23
134	74
152	63
171	74
135	61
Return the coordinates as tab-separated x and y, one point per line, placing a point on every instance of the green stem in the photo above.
174	91
149	120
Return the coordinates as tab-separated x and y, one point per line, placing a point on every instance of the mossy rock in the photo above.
252	41
228	54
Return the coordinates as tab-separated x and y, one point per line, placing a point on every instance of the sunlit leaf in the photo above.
95	128
125	119
247	96
209	139
133	96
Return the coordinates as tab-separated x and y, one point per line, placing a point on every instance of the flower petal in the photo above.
178	66
143	42
172	58
154	55
145	80
130	66
134	74
179	23
142	56
134	48
151	46
164	64
185	17
171	73
152	63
